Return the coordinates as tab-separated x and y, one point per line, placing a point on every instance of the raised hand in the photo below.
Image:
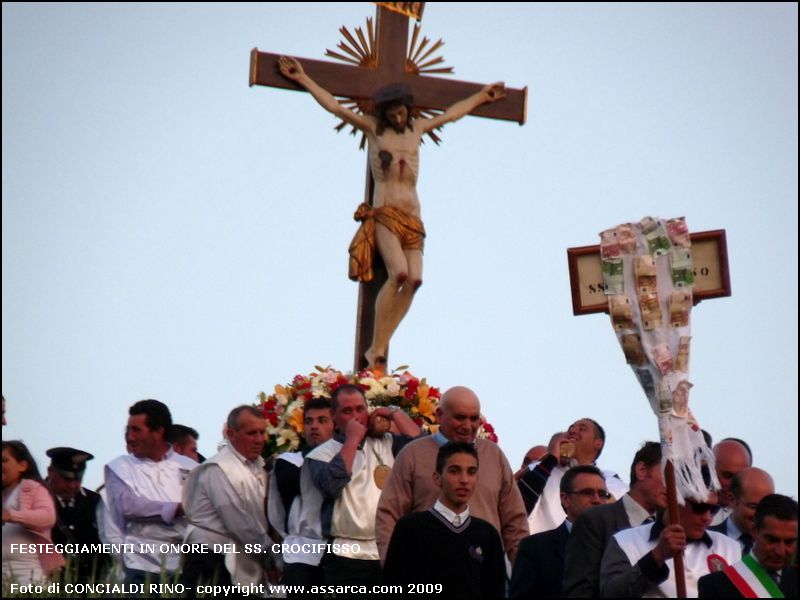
671	541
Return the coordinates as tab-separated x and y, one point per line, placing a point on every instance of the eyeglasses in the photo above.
591	493
700	508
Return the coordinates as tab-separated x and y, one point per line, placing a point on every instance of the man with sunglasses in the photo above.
638	562
539	567
767	572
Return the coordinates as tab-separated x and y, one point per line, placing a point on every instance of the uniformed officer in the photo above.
76	511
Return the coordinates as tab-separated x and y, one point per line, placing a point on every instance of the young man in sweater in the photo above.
460	554
411	488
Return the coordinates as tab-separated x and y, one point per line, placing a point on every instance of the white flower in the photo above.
375	388
296	405
288	436
393	388
320	391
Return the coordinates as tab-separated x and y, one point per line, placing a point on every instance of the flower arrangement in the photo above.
283	409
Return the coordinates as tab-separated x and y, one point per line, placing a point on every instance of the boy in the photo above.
445	545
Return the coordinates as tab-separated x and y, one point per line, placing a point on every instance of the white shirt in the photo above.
455	519
635	511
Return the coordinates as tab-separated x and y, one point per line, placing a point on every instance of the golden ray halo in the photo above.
360	50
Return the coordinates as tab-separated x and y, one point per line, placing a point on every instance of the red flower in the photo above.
340	381
301	384
489	430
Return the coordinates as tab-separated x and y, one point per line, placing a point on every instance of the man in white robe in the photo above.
144	491
225	504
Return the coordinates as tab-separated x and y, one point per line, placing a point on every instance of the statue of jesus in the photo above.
393	224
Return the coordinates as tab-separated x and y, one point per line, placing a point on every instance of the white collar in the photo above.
731	529
255	466
455	519
147	460
635	511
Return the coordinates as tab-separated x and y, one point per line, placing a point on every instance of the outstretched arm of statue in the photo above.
292	69
488	94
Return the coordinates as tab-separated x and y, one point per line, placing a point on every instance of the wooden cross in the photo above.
360	83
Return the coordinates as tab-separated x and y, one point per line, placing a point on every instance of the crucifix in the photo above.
379	63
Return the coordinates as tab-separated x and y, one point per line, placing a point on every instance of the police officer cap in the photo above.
69	462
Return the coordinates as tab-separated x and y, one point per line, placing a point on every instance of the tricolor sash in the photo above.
752	580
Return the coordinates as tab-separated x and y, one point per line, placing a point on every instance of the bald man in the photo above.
748	488
730	457
410	487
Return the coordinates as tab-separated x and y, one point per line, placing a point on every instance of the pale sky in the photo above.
171	233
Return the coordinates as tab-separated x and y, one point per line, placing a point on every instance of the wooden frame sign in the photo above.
712	278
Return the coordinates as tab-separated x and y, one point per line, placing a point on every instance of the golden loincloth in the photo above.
408	229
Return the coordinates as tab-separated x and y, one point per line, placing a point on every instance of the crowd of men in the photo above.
371	500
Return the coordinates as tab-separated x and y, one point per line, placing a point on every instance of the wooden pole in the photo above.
367	295
674	519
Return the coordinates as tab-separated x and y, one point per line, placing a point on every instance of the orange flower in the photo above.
295	420
425	407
